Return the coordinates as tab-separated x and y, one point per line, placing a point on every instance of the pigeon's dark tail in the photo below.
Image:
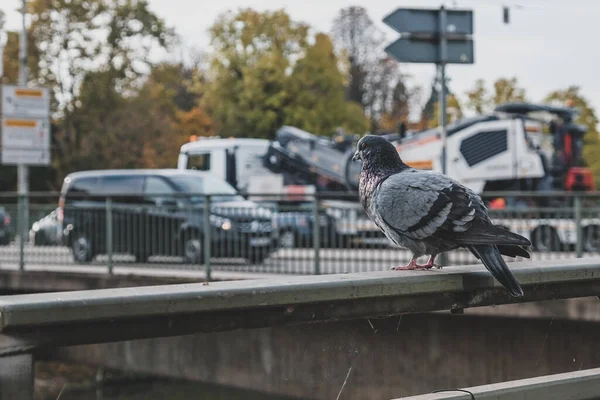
492	259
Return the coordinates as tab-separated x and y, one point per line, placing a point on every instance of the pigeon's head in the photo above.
377	151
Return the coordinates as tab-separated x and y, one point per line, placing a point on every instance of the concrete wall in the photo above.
381	359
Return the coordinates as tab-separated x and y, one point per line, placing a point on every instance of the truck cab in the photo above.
234	160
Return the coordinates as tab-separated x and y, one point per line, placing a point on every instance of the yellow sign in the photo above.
29	92
426	164
20	123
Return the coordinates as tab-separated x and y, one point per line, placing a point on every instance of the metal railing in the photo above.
579	385
34	321
268	234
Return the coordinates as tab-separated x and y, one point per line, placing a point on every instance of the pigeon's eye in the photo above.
364	146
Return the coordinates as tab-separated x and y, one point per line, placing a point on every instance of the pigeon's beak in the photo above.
356	156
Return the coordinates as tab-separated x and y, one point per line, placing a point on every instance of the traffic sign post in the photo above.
433	36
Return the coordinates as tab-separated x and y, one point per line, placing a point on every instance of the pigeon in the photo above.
429	213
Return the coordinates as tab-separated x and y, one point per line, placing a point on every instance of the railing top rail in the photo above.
350	194
578	385
94	316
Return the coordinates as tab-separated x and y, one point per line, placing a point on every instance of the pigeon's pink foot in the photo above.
431	264
412	265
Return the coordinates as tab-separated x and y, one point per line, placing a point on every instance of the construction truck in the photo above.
519	147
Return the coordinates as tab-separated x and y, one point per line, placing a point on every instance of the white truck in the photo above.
519	147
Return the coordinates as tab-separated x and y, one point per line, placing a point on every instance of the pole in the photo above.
442	100
442	76
578	230
2	44
22	170
316	235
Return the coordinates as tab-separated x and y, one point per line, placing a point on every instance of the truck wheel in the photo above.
545	239
81	246
591	238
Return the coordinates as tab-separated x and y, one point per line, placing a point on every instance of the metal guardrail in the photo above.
313	236
29	322
579	385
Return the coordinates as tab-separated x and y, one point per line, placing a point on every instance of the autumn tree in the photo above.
508	90
505	90
92	53
317	85
478	98
588	118
174	91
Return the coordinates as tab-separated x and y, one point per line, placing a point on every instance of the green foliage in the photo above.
249	70
94	55
264	74
478	98
508	90
317	88
588	118
453	112
505	90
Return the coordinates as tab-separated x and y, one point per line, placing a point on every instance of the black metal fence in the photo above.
259	234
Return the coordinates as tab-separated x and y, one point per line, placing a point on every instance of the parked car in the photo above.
5	227
296	227
161	212
47	231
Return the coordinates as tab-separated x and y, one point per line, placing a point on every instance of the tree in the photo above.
505	90
478	98
75	37
588	118
355	33
372	75
92	53
428	111
508	90
250	65
453	112
403	100
318	103
10	58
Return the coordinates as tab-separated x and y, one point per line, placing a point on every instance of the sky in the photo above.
548	44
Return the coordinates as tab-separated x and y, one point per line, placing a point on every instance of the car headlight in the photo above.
220	222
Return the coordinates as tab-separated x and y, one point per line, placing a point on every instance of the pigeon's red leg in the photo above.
431	264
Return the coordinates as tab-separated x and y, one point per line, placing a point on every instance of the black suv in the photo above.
161	212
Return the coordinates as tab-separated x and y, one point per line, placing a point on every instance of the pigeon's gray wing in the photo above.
426	205
418	204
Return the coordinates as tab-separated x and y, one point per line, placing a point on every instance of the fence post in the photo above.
316	234
109	234
22	230
578	229
207	238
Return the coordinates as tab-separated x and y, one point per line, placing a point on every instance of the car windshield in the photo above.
220	190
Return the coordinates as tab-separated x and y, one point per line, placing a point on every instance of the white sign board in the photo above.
27	157
19	101
25	141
